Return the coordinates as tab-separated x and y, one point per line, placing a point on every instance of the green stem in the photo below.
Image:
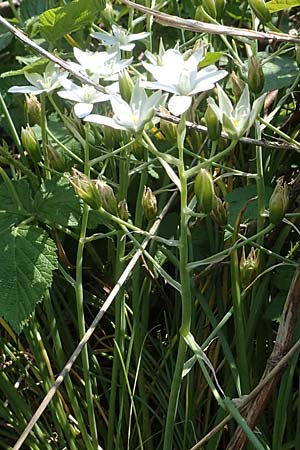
11	126
260	184
80	306
11	189
44	135
186	297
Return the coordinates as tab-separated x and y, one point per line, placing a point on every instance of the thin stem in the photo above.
80	306
44	135
11	126
186	297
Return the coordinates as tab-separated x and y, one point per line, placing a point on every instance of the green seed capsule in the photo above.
204	191
86	189
33	109
31	143
107	196
149	204
256	78
278	203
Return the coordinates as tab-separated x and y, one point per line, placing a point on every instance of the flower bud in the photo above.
220	6
169	130
248	267
204	191
237	85
125	85
149	204
56	159
219	212
32	109
86	189
209	7
212	123
260	10
256	78
31	143
123	210
107	196
278	203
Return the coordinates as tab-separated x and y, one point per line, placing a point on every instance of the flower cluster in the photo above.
172	72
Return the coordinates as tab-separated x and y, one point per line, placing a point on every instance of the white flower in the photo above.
100	64
181	77
120	39
133	116
236	120
85	96
48	81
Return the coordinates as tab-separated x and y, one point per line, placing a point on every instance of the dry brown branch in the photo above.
282	345
203	27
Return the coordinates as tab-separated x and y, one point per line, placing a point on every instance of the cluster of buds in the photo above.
95	193
248	267
278	203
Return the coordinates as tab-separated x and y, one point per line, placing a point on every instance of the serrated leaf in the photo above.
57	203
31	8
9	212
57	22
280	5
238	197
27	259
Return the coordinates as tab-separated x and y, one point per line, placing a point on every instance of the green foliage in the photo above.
279	5
32	8
56	22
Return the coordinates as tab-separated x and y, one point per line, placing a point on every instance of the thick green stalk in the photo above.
186	297
80	306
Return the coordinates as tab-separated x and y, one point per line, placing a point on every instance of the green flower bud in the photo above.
237	85
212	123
149	204
125	85
32	109
260	10
201	14
256	78
209	7
169	130
56	159
204	191
123	210
86	189
219	212
248	267
31	143
107	196
278	203
220	7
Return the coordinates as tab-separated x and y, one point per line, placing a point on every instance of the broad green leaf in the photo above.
279	72
31	8
238	197
279	5
57	203
57	22
27	259
9	212
211	58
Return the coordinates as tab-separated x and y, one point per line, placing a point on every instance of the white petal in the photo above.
224	102
164	87
121	109
244	102
82	109
103	120
69	95
211	102
25	90
127	47
107	38
35	79
178	104
137	36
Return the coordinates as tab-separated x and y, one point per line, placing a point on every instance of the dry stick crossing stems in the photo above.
93	326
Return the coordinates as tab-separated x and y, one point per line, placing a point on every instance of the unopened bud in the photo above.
260	10
209	7
125	85
237	85
107	196
56	160
149	204
219	212
256	78
278	203
212	123
204	191
32	109
169	130
31	143
86	189
123	210
220	6
248	267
